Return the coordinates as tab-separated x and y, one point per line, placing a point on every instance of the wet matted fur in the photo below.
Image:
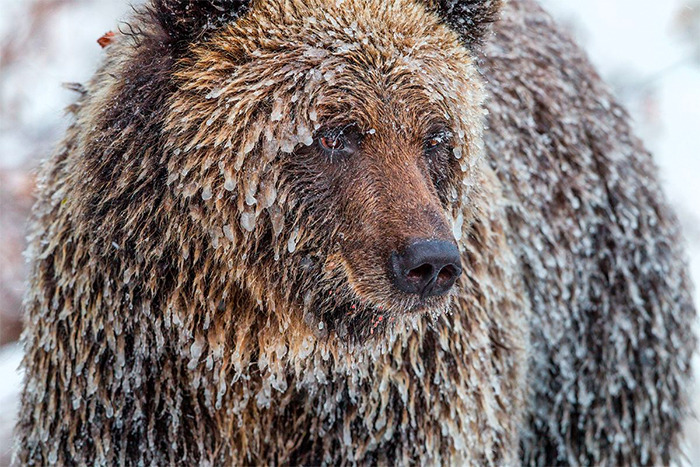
208	287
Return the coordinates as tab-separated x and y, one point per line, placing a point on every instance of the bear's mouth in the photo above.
357	320
355	312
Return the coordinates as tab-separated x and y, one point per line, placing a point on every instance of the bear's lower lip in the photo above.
354	311
369	322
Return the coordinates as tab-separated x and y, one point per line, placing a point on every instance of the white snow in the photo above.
45	44
10	382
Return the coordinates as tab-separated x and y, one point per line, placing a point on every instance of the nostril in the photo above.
447	274
426	268
420	273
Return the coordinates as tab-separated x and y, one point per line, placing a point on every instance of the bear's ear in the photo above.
470	18
187	20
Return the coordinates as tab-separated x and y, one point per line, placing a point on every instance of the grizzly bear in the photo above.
352	232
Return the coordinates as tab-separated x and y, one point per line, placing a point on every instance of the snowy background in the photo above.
649	52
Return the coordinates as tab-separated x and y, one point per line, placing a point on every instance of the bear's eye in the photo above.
436	141
332	143
433	143
336	142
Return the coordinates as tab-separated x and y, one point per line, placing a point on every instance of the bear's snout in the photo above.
426	267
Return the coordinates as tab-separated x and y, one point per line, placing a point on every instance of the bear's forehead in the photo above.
395	20
383	54
376	35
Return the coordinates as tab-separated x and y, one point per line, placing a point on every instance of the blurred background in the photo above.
648	51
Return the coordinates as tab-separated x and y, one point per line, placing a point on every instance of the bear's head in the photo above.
330	150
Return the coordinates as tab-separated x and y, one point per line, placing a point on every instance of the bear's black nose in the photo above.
427	267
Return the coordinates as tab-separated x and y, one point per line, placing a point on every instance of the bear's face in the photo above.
328	148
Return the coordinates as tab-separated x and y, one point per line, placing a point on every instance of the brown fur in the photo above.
207	287
601	255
